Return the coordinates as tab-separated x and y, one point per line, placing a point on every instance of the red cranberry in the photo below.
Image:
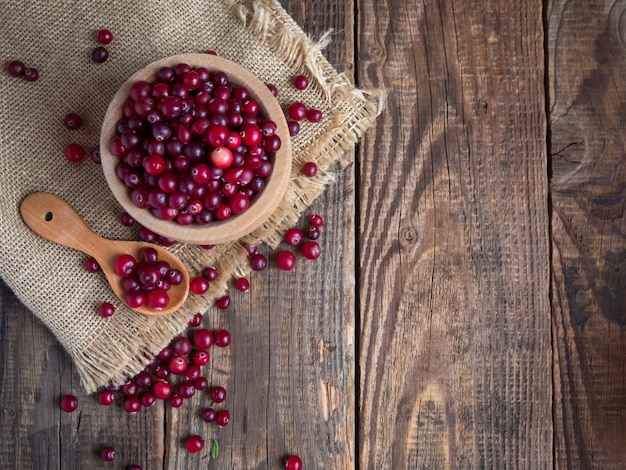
251	249
210	274
194	443
286	260
221	157
132	405
72	121
317	220
193	371
104	36
176	401
196	320
106	397
165	354
124	265
222	338
223	302
313	233
147	399
198	285
294	128
181	346
294	236
127	219
311	250
69	403
242	284
293	462
130	388
200	357
314	115
201	383
186	389
91	265
95	155
107	454
222	418
31	74
301	82
309	169
143	379
297	111
218	394
74	152
99	54
202	339
177	365
209	415
161	389
272	89
258	262
16	68
106	309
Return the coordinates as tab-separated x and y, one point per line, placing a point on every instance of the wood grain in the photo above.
586	47
453	287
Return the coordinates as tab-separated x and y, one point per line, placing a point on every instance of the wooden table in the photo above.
468	310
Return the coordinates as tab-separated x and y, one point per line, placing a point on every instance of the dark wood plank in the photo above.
455	354
587	102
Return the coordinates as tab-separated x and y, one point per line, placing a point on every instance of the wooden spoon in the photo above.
54	219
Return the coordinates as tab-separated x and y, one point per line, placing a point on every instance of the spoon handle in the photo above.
54	219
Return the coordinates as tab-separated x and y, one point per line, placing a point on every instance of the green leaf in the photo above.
215	449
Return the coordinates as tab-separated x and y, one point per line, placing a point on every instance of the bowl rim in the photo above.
261	207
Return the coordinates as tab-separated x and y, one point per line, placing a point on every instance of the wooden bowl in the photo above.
263	204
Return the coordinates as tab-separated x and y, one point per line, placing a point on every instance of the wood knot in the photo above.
482	106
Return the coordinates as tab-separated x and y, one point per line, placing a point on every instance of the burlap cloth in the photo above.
57	37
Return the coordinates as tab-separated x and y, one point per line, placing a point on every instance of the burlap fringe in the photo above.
352	111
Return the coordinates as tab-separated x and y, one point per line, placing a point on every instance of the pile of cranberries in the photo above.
194	147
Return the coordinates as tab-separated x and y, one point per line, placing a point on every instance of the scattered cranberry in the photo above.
313	233
286	260
200	357
105	397
143	379
210	274
222	418
74	152
202	339
309	169
95	155
107	454
161	389
301	82
177	365
181	346
194	443
130	388
222	338
201	383
72	121
317	220
311	250
100	54
294	128
258	262
176	401
132	405
104	36
297	111
91	265
31	74
147	399
186	389
209	415
314	115
198	285
196	320
294	236
293	462
242	284
218	394
127	219
223	302
106	309
193	370
16	68
69	403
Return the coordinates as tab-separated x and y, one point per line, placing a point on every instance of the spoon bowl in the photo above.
54	219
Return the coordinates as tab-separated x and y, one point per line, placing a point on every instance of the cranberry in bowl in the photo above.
197	149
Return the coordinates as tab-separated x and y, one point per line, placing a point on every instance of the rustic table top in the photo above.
468	309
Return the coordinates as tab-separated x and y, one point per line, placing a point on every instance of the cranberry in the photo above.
107	454
221	157
105	397
147	399
124	265
186	389
181	346
251	249
16	68
258	262
272	89
222	418
297	111
202	339
294	236
165	354
74	152
161	389
311	250
313	233
143	379
177	365
210	274
176	401
91	265
132	405
293	462
99	54
222	338
106	309
130	388
317	220
314	115
209	415
223	302
201	383
72	121
242	284
161	371
200	357
301	82
95	155
294	128
104	36
286	260
69	403
127	219
309	169
31	74
194	443
193	371
218	394
198	285
196	320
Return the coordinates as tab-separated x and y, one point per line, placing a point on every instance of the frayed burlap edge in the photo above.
352	112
